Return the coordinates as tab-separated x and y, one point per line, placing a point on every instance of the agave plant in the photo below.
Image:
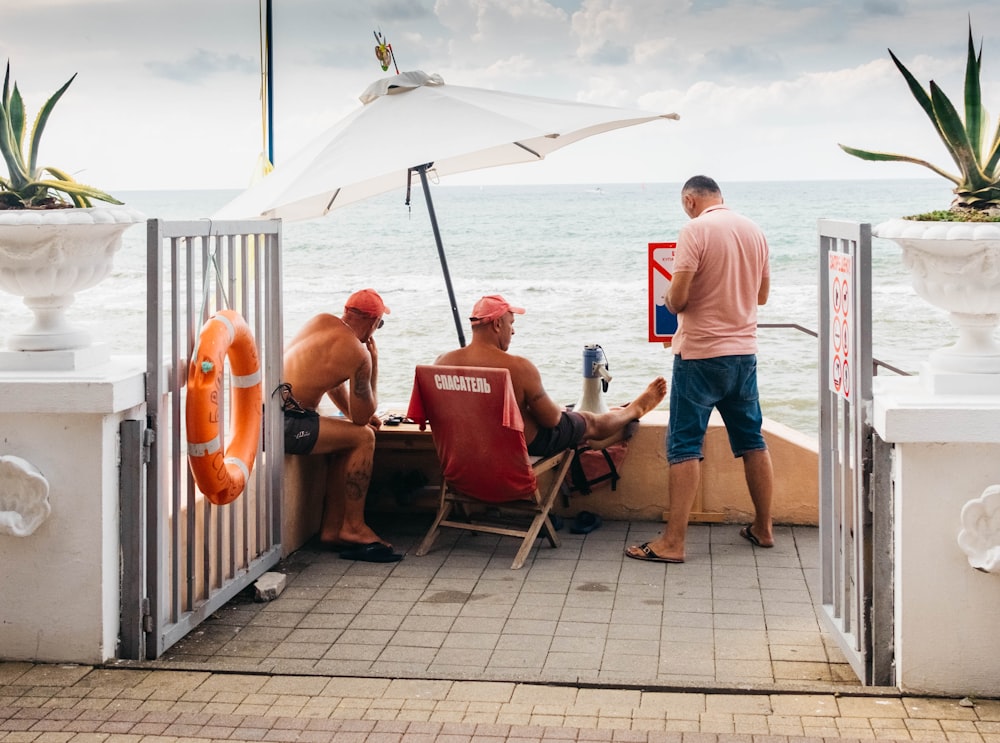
977	189
28	186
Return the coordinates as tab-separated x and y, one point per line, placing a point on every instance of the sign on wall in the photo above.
662	322
841	298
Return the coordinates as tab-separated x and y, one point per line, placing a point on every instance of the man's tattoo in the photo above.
356	484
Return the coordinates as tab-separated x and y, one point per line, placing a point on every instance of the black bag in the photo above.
593	467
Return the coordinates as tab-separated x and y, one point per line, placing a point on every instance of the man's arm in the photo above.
542	407
764	291
339	397
679	291
373	353
362	400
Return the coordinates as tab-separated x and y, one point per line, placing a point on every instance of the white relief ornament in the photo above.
980	534
24	497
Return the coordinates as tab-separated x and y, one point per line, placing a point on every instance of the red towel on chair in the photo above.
477	428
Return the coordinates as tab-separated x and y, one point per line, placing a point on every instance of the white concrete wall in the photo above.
59	587
947	614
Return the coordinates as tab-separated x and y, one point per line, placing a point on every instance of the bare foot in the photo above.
362	535
651	397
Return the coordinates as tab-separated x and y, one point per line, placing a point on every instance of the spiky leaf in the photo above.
974	113
978	186
41	120
892	157
25	186
957	138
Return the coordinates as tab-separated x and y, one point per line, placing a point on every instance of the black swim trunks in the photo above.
301	424
567	434
301	431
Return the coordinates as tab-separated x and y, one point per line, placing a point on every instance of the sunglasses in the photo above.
380	324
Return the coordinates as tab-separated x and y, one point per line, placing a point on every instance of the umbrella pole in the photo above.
422	169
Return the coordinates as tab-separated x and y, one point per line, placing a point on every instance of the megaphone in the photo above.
595	380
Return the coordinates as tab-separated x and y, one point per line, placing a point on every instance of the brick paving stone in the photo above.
750	703
964	737
871	707
934	708
77	704
988	709
958	726
812	705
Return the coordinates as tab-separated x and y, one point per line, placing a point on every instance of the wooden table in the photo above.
405	466
403	437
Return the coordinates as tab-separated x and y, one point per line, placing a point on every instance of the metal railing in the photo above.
196	556
855	503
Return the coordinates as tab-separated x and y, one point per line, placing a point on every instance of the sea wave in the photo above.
577	263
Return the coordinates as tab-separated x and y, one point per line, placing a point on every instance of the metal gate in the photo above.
855	499
184	557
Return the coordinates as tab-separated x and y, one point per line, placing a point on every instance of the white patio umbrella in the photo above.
413	122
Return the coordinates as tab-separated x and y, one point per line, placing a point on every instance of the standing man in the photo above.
548	427
337	357
721	275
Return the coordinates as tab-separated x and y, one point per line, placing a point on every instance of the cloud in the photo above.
400	10
883	7
202	65
609	53
481	32
742	61
764	87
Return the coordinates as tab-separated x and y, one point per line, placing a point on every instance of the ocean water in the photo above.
574	255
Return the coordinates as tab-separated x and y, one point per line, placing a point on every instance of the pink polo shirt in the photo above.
729	255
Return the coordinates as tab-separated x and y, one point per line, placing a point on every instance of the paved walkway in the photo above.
581	644
76	704
732	615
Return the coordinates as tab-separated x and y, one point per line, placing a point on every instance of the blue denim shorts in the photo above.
726	383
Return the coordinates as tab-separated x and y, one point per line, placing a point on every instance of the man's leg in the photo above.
333	507
347	481
685	440
684	480
760	480
604	426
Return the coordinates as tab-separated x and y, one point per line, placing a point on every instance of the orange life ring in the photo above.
223	474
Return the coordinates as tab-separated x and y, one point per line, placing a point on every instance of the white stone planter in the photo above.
956	266
46	256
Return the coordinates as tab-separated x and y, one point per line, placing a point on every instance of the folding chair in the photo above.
479	436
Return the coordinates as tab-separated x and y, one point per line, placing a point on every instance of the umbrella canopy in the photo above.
414	118
413	122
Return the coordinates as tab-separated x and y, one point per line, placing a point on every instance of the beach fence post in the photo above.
853	605
196	555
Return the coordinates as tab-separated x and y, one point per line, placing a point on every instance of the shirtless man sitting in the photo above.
337	357
548	428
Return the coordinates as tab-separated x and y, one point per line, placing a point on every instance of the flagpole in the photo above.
270	84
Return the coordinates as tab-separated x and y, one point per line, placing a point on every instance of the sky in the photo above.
168	94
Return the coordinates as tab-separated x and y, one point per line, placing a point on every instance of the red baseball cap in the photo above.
367	302
490	307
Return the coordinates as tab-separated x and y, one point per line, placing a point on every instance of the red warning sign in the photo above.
841	297
662	322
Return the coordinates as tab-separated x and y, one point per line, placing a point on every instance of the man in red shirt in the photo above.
548	427
721	275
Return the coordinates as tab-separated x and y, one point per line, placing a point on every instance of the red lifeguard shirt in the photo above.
729	256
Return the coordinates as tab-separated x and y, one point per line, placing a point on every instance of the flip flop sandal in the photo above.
748	535
374	552
585	522
647	554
